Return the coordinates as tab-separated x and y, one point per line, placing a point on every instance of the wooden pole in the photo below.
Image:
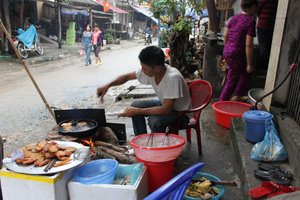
59	24
91	17
26	69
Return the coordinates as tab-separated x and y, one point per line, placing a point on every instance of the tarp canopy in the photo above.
144	11
111	7
72	11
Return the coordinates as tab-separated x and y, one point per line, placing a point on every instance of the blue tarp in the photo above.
28	36
70	11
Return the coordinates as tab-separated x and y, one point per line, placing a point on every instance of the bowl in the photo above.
101	171
210	177
224	110
159	152
254	95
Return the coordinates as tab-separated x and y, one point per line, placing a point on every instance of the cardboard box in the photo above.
138	191
35	187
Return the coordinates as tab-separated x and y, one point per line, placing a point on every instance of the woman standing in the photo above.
238	51
97	43
86	43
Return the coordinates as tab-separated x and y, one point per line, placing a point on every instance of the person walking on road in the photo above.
97	41
169	85
238	51
86	43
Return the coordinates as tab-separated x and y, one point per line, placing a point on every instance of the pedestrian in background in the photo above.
265	26
86	43
97	41
238	51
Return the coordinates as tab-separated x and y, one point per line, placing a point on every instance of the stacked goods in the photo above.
71	34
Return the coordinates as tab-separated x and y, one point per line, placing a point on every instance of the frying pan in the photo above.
76	131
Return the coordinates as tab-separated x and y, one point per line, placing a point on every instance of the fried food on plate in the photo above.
42	152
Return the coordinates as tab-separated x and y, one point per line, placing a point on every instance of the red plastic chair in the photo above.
201	93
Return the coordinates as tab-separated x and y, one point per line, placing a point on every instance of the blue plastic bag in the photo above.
270	149
133	169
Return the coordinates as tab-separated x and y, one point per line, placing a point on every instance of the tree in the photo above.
6	19
21	12
179	28
1	33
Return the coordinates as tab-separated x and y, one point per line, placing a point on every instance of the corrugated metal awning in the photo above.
72	11
111	7
144	11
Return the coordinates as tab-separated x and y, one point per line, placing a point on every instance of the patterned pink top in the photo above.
239	26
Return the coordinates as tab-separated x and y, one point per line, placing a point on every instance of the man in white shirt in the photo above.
169	85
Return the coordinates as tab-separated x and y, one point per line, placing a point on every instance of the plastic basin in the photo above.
158	159
97	172
210	177
254	95
157	153
224	110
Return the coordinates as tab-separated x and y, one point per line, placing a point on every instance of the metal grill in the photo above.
293	103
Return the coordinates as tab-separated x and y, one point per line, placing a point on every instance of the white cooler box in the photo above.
138	191
34	187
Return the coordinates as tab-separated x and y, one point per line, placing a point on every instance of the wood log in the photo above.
111	146
106	134
122	158
99	154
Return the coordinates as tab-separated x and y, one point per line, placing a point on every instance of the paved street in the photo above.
69	84
65	84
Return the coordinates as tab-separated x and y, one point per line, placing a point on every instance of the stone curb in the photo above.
245	164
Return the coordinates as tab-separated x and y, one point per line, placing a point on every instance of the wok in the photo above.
76	130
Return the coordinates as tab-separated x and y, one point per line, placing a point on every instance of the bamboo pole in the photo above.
26	68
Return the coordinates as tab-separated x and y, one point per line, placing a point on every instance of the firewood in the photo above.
105	144
121	157
106	134
99	154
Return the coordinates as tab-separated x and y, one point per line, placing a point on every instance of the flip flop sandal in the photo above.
284	189
272	176
282	171
266	188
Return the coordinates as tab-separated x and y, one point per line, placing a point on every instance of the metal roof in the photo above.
89	2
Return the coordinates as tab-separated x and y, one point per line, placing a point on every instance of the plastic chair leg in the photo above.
188	134
199	139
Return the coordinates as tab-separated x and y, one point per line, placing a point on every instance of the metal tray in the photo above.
30	169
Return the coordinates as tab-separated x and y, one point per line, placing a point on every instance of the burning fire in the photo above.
88	142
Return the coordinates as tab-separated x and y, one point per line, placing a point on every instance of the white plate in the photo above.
30	169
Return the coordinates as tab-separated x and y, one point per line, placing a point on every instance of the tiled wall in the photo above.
276	49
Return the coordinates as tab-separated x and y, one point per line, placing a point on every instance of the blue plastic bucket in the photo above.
254	121
100	171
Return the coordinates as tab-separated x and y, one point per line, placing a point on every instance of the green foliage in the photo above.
176	8
164	39
183	25
111	31
188	56
108	37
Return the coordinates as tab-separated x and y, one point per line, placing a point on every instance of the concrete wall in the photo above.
289	45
